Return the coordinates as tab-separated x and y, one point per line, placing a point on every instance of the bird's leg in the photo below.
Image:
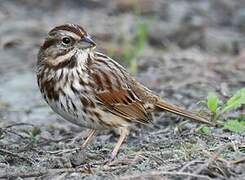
124	132
89	138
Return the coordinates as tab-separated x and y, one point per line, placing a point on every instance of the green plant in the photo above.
212	102
205	130
33	134
217	109
234	102
135	46
237	100
235	125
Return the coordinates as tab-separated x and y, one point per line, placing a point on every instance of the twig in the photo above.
18	124
22	175
215	156
112	168
64	151
238	161
6	131
221	171
47	141
161	173
212	157
189	164
6	175
4	151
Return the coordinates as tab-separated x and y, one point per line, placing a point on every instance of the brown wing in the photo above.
111	88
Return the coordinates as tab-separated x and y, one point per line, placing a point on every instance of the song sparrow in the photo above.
92	90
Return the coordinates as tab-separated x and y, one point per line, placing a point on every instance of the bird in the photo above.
92	90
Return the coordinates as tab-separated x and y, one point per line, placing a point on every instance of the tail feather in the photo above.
182	112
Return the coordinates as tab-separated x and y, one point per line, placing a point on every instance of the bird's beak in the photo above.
86	42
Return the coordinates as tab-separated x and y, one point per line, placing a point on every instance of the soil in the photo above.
191	48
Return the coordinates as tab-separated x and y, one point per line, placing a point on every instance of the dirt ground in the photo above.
192	47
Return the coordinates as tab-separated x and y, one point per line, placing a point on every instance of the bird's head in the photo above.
64	43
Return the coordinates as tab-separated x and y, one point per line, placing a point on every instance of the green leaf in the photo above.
235	101
141	36
212	102
35	131
133	67
206	130
235	126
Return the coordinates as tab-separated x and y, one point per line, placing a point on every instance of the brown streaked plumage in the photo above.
92	90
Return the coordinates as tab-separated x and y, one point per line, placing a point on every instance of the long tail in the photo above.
182	112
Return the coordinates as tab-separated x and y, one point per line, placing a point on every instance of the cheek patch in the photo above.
61	57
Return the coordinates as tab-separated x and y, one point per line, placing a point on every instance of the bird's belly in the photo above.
107	119
71	109
68	115
79	117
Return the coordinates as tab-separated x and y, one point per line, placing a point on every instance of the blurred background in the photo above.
182	49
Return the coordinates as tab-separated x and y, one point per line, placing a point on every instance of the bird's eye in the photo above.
66	40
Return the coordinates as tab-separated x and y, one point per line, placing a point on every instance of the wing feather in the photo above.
112	90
